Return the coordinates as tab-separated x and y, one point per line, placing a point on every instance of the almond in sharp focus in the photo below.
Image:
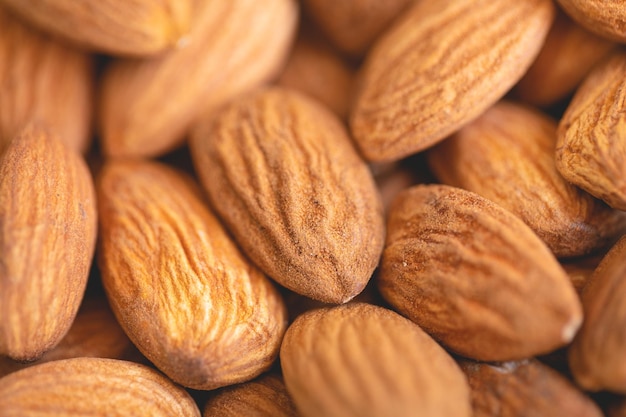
47	238
507	156
475	277
282	173
362	360
440	66
607	18
178	285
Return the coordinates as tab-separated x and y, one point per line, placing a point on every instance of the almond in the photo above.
94	387
591	147
475	277
47	239
148	105
281	171
439	67
178	285
362	360
507	156
607	18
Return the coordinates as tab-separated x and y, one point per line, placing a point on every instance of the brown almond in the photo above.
607	18
439	67
147	106
283	175
363	360
475	277
178	285
47	239
591	147
94	387
507	156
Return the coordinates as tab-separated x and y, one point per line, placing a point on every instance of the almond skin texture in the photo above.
507	156
591	147
607	18
363	360
528	388
178	285
147	106
263	397
597	357
281	172
47	239
92	387
440	66
136	27
475	277
44	81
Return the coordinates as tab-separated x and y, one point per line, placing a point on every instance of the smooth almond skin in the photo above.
115	27
606	18
597	357
266	396
475	277
591	147
439	67
283	175
178	285
44	81
92	387
363	360
147	106
526	388
47	239
507	156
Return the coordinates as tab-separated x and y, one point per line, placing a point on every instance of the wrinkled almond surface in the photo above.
607	18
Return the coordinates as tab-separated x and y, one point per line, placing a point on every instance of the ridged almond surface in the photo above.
607	18
527	388
366	361
136	27
507	156
178	285
47	238
44	81
597	357
147	106
283	175
439	67
263	397
591	147
92	387
475	277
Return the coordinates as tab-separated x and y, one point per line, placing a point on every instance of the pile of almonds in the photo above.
315	208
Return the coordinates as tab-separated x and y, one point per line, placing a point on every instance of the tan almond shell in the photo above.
475	277
283	175
507	156
591	147
176	282
94	387
362	360
439	67
606	18
47	239
147	106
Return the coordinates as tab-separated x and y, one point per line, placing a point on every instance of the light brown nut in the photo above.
263	397
137	27
507	156
42	80
607	18
591	147
47	239
178	285
440	66
93	387
475	277
565	59
281	172
362	360
147	106
526	388
597	356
